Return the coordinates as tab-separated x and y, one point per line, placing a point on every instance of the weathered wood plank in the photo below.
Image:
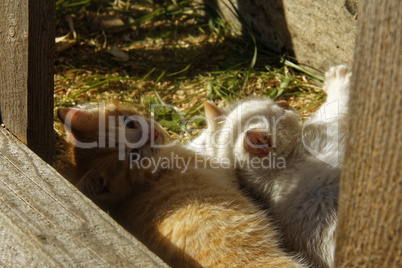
46	222
370	201
319	33
27	30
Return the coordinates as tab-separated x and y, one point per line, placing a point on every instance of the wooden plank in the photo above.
370	203
318	33
46	222
27	30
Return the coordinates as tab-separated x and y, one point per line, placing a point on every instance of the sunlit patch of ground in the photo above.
164	53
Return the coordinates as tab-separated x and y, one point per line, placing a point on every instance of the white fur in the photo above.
303	196
324	133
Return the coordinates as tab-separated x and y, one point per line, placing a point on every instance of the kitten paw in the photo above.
337	80
337	87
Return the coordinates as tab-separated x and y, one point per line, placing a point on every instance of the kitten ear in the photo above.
258	142
284	104
76	120
211	113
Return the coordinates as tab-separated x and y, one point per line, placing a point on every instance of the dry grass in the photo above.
165	52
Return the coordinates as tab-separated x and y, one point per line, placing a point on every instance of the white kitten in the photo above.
324	133
273	157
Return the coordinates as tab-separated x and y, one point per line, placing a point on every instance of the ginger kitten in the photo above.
185	209
94	132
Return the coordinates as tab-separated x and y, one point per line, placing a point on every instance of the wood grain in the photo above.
27	31
370	205
46	222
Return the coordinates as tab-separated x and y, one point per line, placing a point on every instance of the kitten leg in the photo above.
337	87
337	79
324	133
308	213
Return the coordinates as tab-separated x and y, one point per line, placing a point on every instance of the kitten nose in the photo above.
260	138
258	142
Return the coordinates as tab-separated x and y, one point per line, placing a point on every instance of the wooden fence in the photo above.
27	30
45	221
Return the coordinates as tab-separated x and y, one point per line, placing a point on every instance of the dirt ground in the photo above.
164	53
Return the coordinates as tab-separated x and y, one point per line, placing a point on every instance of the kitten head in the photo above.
254	128
105	140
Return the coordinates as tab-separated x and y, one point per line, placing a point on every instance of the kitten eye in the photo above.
93	184
104	189
135	154
129	123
